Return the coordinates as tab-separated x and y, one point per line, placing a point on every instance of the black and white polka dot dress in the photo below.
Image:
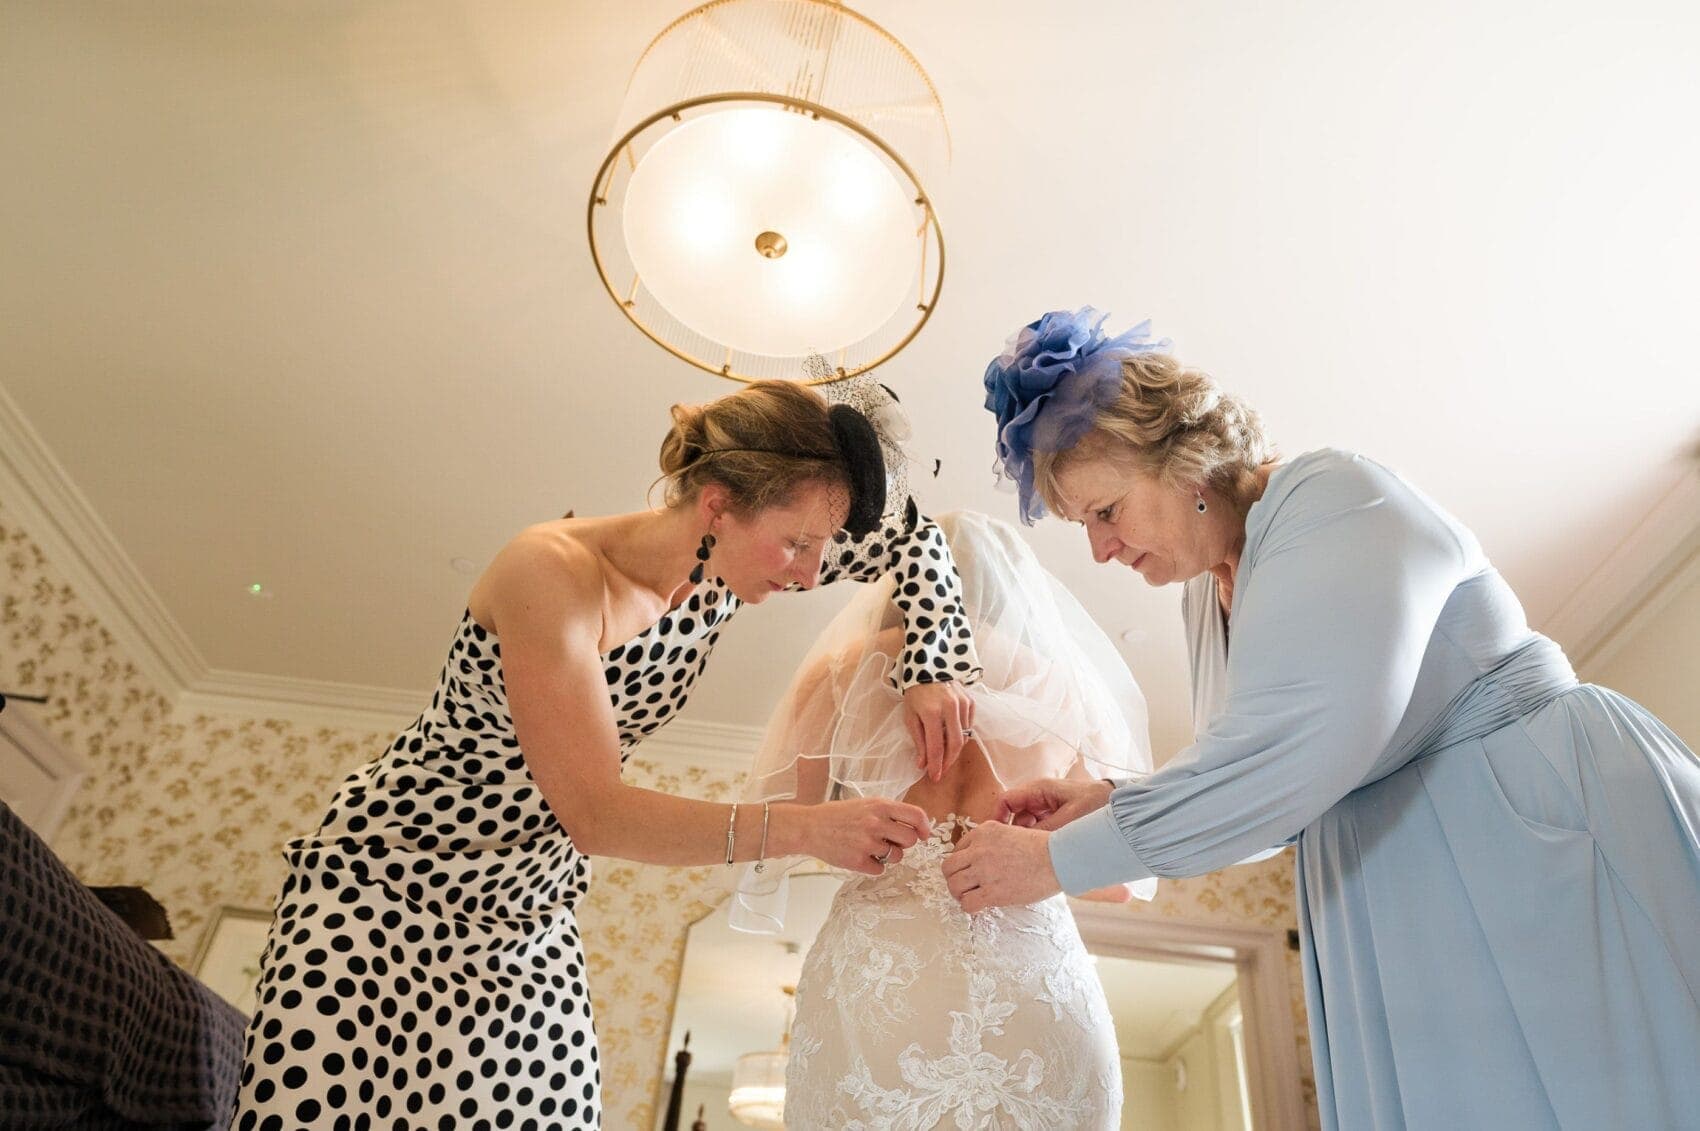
424	968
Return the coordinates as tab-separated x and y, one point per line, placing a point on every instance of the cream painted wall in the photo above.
1148	1096
1225	1073
1211	1100
1659	665
1198	1107
195	808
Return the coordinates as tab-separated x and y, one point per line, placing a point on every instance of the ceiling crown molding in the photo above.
306	702
723	747
1636	581
1657	561
718	747
60	520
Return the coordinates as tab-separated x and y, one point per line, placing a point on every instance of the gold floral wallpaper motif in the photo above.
636	916
196	809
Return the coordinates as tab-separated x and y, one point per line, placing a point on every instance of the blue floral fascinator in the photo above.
1048	385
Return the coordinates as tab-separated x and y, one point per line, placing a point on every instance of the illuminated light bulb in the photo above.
702	196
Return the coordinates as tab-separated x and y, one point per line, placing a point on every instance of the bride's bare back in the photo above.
968	789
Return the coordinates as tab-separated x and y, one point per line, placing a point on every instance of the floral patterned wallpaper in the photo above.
196	810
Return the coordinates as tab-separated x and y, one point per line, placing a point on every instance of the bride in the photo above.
912	1014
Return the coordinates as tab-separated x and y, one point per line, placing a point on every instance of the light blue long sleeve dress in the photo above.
1498	868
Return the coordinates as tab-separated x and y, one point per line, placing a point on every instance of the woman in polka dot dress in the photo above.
424	968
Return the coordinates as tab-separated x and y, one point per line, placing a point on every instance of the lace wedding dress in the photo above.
912	1014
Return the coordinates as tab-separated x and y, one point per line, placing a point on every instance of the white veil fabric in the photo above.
1055	694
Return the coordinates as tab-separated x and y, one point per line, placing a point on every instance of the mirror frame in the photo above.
1259	956
658	1104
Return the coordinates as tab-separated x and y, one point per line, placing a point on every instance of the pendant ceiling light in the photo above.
757	1098
765	196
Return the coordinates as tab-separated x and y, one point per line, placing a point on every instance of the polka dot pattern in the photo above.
424	967
937	646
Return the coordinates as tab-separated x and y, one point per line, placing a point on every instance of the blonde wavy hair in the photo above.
1173	423
783	440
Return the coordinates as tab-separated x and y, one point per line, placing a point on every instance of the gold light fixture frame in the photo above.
928	232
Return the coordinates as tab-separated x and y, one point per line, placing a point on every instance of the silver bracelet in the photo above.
731	827
761	853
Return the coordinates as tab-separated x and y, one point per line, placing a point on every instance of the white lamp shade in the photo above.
758	1090
702	195
798	123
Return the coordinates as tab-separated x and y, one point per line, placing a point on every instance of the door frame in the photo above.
1259	956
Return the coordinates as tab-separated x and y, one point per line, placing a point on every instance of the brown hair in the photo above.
1174	423
760	443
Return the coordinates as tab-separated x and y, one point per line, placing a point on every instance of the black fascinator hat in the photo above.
859	446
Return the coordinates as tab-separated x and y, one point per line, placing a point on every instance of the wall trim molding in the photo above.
59	518
1630	587
1642	614
718	747
1259	955
721	747
1658	559
65	525
305	702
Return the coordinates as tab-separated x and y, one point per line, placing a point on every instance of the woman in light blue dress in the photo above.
1498	868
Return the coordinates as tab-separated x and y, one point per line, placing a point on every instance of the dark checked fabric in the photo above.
97	1028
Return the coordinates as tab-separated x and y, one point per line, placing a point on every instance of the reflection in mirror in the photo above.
1182	1048
1202	1016
732	1001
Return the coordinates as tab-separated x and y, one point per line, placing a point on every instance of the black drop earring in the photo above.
1201	507
702	558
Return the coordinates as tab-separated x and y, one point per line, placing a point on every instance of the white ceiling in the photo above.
299	293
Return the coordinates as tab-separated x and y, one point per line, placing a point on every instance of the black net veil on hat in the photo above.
864	466
869	431
875	456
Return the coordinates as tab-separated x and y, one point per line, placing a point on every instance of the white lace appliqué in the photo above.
912	1015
